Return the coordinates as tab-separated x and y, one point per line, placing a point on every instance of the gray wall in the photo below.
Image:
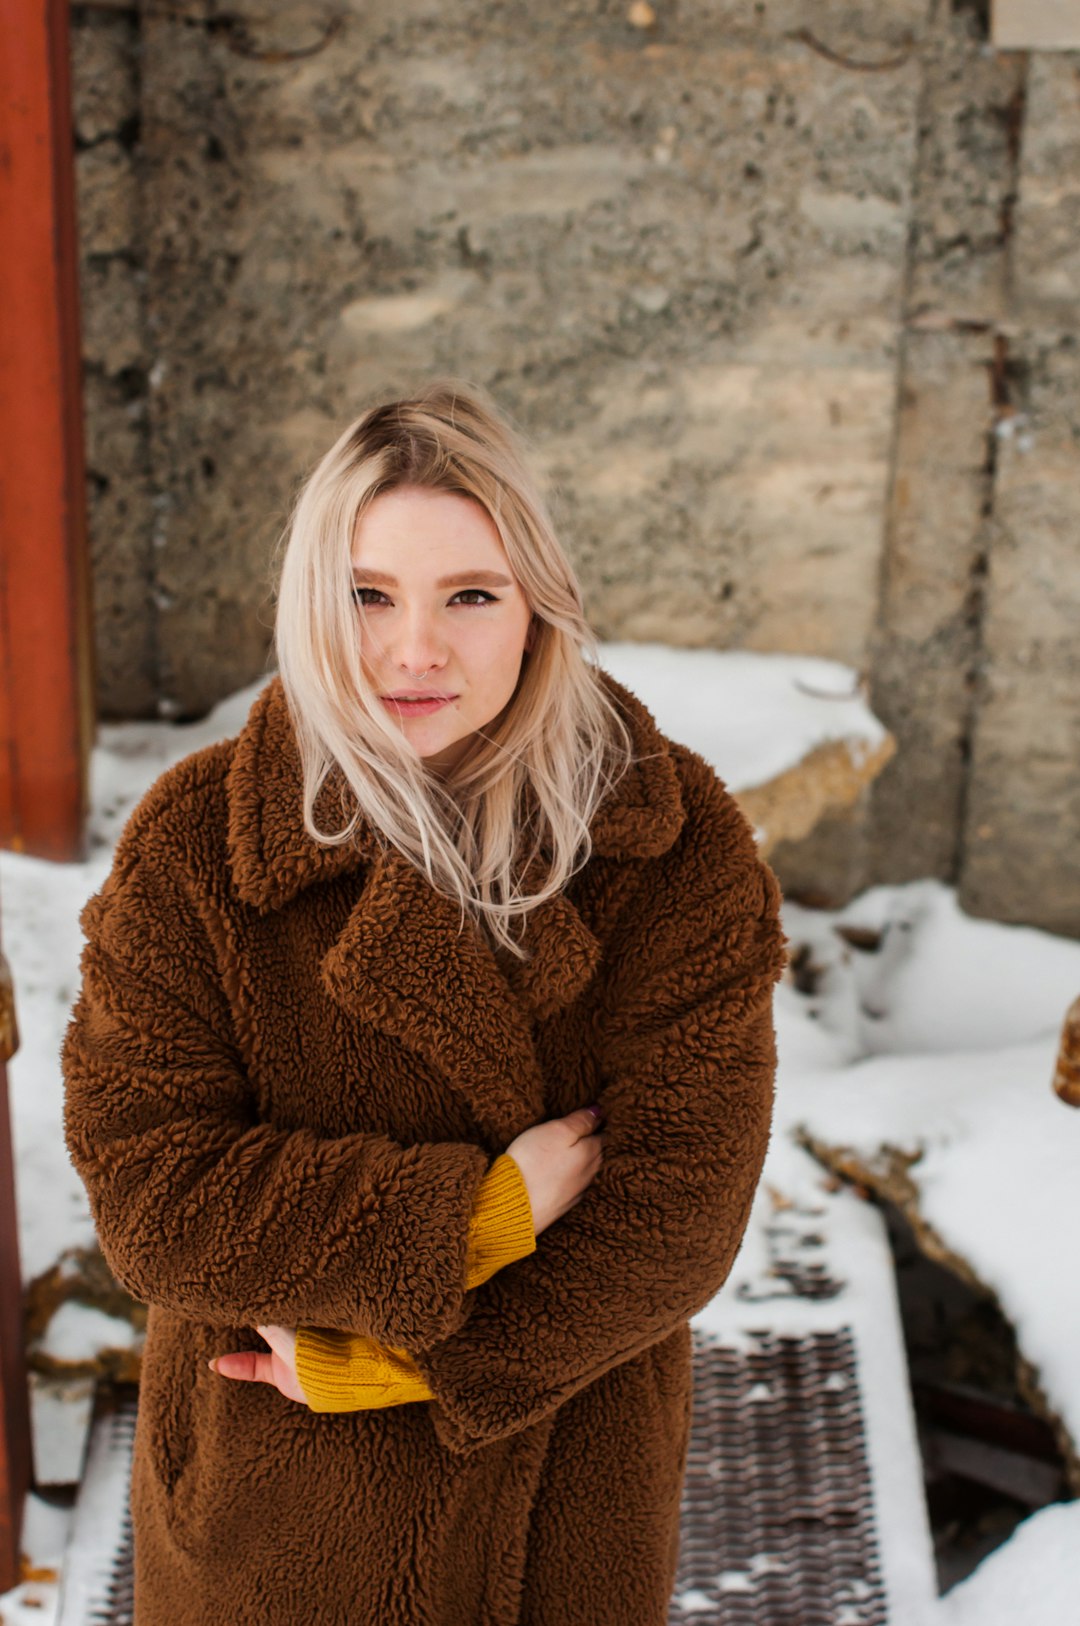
785	296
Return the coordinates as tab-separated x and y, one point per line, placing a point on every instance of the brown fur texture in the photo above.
286	1075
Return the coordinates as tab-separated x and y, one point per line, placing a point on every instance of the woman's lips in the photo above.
416	708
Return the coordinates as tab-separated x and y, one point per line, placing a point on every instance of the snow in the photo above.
44	1538
77	1330
752	715
1006	983
967	1086
1029	1580
40	903
942	1042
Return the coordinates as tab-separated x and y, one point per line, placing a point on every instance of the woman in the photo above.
350	985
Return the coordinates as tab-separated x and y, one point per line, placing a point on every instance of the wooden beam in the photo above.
46	674
1036	25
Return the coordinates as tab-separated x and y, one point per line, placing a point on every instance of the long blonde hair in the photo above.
523	795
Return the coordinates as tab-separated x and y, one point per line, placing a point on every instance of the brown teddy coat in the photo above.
287	1074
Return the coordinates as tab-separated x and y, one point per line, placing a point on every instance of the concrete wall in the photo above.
783	295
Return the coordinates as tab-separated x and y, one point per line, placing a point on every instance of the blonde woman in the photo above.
418	1350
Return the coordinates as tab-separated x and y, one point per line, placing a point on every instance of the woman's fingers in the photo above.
249	1365
282	1341
256	1366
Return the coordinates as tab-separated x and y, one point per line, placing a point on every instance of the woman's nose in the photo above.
416	645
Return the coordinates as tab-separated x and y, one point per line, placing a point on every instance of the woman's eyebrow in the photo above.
490	578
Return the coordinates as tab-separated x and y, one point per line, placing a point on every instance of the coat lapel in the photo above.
401	961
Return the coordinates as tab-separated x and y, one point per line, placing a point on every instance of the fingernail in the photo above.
595	1110
212	1364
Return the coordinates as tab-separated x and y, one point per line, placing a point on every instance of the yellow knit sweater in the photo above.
343	1371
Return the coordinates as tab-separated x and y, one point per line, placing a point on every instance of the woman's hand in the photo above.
255	1366
558	1159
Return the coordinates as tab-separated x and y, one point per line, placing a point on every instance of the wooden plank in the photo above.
46	677
1036	25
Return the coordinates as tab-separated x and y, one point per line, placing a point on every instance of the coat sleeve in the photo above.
339	1371
202	1207
687	1058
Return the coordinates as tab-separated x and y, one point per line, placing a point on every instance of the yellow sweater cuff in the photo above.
501	1228
342	1371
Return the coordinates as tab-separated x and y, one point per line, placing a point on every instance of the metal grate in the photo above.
796	1245
777	1512
777	1517
98	1582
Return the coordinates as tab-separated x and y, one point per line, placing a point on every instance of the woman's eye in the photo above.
485	598
478	592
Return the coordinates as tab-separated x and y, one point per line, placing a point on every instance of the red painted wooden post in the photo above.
46	655
46	671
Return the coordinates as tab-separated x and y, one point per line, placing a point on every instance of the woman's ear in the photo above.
530	635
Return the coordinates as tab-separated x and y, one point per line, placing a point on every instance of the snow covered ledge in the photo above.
790	735
929	1081
886	1175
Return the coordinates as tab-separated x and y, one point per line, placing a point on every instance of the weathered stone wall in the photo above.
105	74
1021	834
782	294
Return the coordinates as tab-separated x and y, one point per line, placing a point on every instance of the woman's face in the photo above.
467	635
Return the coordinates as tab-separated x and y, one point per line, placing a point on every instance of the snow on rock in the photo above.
754	716
940	980
791	735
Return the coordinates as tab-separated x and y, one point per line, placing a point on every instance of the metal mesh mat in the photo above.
777	1518
798	1265
98	1579
777	1514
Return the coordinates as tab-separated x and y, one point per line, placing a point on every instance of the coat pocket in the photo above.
168	1384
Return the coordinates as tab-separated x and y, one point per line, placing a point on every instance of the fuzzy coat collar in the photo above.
273	858
391	963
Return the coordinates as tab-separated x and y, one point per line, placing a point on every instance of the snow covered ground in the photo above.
943	1042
